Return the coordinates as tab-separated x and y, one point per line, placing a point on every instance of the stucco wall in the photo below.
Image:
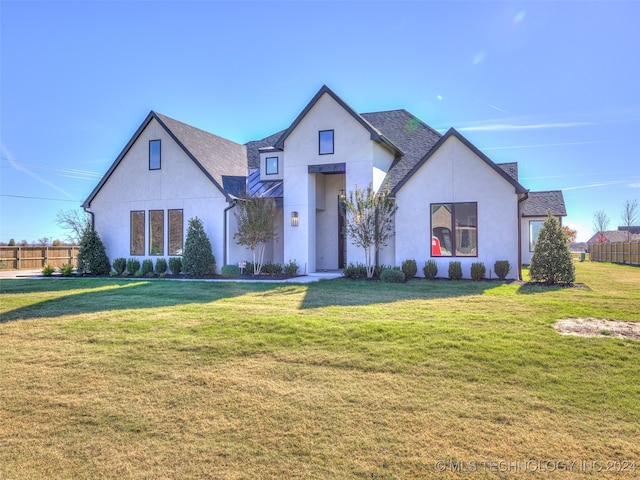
178	184
455	174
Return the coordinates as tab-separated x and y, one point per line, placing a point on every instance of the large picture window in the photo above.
534	231
154	154
137	233
454	229
325	142
156	232
175	232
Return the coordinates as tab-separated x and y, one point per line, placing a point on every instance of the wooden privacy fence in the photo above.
616	252
29	258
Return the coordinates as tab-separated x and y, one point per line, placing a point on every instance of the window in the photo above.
454	229
272	166
175	232
534	231
137	233
154	154
156	232
326	142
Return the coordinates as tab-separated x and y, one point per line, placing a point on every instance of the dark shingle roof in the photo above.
538	203
510	168
613	236
253	154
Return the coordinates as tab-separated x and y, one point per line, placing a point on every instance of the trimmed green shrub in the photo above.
552	262
147	267
392	275
409	268
430	269
378	269
198	258
161	266
119	265
230	271
66	270
138	273
478	271
48	270
133	265
92	256
455	271
502	268
291	268
248	269
355	271
175	265
272	268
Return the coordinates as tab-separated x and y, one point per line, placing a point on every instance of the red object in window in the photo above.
435	247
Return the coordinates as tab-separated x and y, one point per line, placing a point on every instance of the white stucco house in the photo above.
454	203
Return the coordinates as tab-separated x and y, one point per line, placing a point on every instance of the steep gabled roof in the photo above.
254	146
452	132
222	161
376	135
538	203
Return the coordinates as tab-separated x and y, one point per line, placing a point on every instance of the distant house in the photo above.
623	234
454	203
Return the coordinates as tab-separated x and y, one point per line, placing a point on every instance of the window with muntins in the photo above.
454	229
176	231
325	141
271	167
534	231
156	232
137	233
154	154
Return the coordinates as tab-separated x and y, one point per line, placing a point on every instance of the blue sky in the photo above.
554	86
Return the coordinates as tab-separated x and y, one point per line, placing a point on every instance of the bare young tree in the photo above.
74	222
629	215
600	224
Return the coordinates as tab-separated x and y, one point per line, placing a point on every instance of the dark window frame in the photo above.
152	244
152	159
169	233
266	165
320	150
131	233
453	231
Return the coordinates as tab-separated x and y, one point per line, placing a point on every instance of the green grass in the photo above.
113	378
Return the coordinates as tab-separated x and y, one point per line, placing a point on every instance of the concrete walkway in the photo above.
312	277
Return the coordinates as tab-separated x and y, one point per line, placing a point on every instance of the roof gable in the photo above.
376	135
452	132
222	161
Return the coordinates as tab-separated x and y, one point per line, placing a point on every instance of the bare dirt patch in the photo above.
598	327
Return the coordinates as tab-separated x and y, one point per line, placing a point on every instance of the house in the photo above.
454	203
623	234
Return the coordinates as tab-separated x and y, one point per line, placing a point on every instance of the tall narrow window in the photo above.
156	232
534	231
272	165
175	232
325	142
137	233
454	229
154	154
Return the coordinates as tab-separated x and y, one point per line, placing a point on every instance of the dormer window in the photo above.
154	154
325	142
271	167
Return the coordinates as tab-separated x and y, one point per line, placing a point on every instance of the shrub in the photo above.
430	269
198	258
175	265
502	268
161	266
291	268
455	271
378	269
120	265
478	271
272	268
355	271
48	270
230	271
92	257
392	275
133	265
66	270
551	262
138	273
147	267
409	268
248	269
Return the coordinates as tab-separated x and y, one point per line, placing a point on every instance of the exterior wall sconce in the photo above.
294	219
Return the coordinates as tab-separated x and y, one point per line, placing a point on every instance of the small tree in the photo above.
600	224
74	222
369	222
197	258
551	261
92	257
629	215
570	233
256	218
